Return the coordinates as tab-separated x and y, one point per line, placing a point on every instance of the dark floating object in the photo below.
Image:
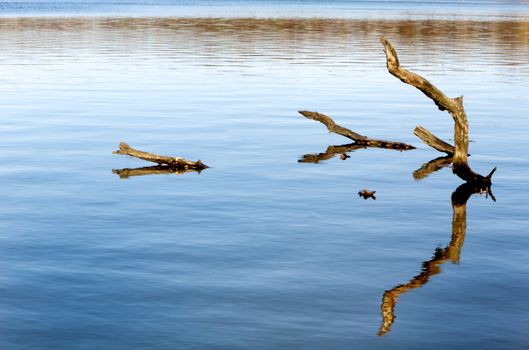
360	140
433	141
367	194
344	156
166	165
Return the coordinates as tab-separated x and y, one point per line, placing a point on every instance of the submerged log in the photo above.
171	162
454	106
359	139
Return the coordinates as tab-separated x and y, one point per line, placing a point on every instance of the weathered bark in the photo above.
431	167
173	162
433	141
359	139
454	106
151	170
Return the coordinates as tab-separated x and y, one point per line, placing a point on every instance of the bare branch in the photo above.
173	162
359	139
433	141
453	105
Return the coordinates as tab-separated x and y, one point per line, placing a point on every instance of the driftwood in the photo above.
454	106
359	139
451	253
151	170
169	162
431	167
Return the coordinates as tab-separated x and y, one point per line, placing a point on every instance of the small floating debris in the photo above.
367	194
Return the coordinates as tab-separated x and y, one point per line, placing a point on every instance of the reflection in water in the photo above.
340	150
432	267
331	152
262	39
432	166
152	170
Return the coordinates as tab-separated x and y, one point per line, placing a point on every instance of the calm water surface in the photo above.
260	251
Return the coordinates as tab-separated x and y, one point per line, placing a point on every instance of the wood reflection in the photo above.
432	166
504	38
331	152
451	253
125	173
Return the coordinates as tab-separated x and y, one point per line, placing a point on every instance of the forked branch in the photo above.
359	139
454	106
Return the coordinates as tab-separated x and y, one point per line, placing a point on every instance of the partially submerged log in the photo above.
171	162
454	106
359	139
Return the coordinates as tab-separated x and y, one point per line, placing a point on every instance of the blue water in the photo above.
360	9
259	251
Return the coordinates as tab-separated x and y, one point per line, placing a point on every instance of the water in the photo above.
359	9
260	251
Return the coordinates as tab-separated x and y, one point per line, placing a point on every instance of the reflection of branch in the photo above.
151	170
359	139
432	267
330	152
431	167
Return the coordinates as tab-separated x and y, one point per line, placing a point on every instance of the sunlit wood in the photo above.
454	106
172	162
359	139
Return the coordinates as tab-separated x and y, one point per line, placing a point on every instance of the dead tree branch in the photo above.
171	162
454	106
433	141
359	139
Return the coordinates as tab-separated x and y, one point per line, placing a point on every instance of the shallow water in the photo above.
260	251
